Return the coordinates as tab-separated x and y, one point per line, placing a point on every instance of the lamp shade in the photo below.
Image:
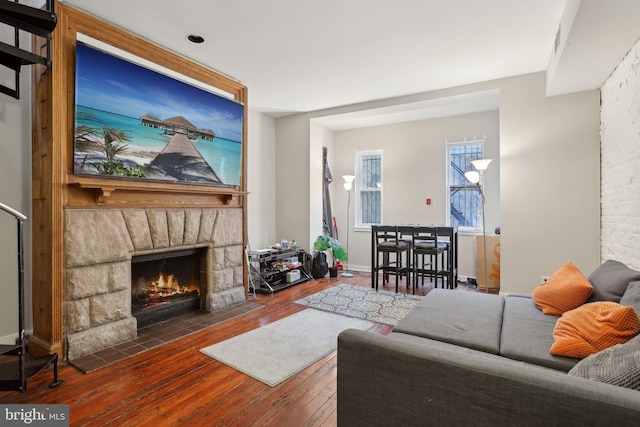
472	176
348	181
481	165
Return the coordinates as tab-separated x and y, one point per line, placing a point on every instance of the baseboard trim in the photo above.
9	339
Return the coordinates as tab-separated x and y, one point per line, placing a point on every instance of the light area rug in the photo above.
363	303
279	350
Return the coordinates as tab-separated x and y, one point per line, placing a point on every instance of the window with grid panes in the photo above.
369	187
465	200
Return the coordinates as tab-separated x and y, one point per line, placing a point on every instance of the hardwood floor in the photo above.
175	384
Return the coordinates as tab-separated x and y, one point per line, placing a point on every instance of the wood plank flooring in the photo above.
175	384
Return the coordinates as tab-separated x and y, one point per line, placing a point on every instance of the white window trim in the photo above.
482	141
358	167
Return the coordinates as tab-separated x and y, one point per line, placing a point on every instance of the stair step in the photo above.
10	349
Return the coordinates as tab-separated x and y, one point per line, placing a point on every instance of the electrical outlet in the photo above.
544	278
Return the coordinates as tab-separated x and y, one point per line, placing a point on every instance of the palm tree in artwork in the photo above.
86	135
107	140
114	142
100	137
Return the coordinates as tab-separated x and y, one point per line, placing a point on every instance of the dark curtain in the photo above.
327	219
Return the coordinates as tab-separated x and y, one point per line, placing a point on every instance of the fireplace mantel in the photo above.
57	192
103	188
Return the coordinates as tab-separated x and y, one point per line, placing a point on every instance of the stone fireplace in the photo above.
87	229
99	245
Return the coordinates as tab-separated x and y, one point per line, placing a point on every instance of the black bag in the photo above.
319	266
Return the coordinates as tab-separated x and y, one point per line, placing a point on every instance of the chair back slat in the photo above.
385	233
425	237
445	235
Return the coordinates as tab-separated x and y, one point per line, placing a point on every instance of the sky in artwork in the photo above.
108	83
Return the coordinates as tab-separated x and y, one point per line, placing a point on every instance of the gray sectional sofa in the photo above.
463	358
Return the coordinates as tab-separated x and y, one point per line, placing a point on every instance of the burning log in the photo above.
163	290
153	299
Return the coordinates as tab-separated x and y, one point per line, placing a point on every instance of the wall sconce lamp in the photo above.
481	166
348	183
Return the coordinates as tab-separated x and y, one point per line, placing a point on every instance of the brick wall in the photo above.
620	151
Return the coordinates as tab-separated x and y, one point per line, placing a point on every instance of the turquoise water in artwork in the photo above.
223	155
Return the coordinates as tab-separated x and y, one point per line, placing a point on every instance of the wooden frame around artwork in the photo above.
84	189
136	120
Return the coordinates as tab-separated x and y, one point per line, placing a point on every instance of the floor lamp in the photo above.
348	182
481	166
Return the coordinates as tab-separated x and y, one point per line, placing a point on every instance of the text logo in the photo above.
34	415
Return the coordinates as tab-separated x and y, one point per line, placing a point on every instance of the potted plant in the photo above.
325	244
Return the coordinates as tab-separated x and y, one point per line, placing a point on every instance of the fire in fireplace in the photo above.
165	285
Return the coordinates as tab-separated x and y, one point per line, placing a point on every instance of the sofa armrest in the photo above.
410	381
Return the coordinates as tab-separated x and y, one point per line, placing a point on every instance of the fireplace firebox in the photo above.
164	285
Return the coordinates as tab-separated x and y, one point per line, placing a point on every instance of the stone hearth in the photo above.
98	246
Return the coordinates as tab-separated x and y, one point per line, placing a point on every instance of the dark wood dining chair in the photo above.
388	248
427	251
448	237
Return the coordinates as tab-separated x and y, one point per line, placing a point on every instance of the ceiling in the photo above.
306	55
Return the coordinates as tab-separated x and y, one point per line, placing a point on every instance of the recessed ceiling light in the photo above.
194	38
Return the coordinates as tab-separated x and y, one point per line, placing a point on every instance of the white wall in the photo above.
550	179
261	180
293	179
620	130
549	175
414	160
15	191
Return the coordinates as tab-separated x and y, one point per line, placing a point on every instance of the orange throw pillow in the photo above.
592	328
564	291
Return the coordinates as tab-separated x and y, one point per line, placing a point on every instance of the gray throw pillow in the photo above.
618	365
610	281
632	297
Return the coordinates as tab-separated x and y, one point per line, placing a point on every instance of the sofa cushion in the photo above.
469	319
527	334
436	345
565	290
610	281
593	327
631	297
618	365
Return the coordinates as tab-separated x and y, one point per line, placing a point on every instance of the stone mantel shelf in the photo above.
105	187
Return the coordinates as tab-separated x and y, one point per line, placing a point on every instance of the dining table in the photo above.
446	235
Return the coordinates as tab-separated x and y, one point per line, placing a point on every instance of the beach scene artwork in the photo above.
135	122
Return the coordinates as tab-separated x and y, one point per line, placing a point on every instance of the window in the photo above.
465	200
369	188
